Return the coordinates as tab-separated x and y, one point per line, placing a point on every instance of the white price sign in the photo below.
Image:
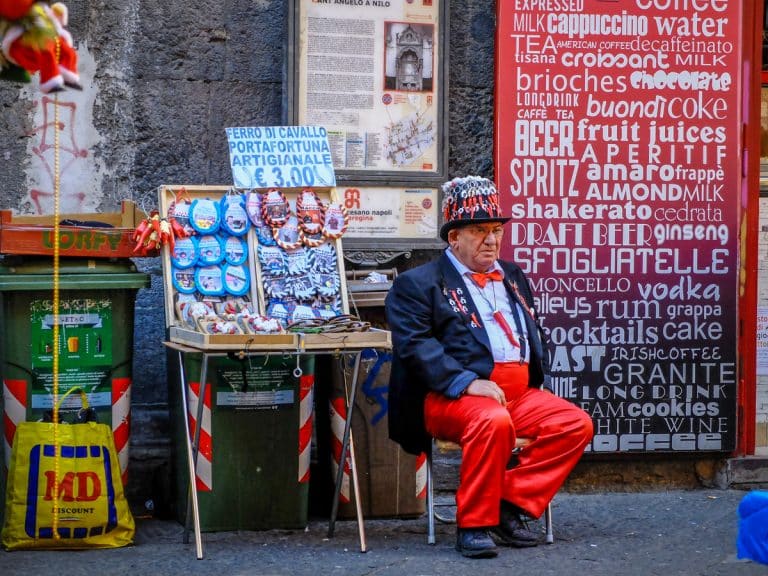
280	157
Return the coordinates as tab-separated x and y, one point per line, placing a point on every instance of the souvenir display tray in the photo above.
272	277
289	341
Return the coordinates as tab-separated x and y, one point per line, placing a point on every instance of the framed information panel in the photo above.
372	73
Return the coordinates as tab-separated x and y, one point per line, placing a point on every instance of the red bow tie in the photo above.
481	278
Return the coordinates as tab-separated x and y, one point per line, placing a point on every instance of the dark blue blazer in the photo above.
438	339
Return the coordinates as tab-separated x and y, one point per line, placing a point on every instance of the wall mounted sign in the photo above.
619	160
370	73
389	212
280	157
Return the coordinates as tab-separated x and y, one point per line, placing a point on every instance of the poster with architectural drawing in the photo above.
367	72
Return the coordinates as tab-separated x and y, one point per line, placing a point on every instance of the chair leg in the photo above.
430	502
550	538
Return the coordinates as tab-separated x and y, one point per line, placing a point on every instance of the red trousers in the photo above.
486	432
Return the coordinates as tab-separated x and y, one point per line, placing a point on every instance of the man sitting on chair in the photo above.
468	367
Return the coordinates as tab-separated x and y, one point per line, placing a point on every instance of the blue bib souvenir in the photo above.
204	216
210	280
235	250
210	249
234	218
184	253
183	279
237	281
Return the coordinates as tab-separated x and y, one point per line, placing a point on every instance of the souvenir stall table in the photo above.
251	274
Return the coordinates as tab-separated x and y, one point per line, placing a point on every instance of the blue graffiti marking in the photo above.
379	394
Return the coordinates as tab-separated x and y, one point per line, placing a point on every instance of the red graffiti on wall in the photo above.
69	152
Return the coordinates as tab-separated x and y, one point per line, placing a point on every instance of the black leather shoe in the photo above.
512	531
475	543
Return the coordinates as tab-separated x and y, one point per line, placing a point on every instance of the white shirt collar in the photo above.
462	269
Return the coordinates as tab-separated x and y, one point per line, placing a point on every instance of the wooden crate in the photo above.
85	235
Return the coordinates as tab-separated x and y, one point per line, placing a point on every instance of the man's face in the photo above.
476	245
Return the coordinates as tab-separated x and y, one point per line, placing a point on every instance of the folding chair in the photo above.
520	445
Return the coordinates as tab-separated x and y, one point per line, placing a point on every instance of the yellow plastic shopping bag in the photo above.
78	490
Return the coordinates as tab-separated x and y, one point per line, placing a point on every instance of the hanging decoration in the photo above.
34	39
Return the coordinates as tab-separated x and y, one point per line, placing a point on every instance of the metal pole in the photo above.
430	500
548	523
192	463
350	401
356	487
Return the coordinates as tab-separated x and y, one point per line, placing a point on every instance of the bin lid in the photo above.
32	273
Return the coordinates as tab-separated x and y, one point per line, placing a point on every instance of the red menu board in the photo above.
618	156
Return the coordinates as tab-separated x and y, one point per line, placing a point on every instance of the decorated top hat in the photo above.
469	200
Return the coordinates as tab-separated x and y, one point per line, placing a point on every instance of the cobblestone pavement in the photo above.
664	533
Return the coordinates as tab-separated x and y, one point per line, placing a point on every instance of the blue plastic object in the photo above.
752	541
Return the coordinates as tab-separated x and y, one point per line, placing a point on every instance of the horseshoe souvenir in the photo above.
210	250
327	285
232	305
218	326
182	302
310	212
242	321
253	207
196	310
279	310
325	259
336	220
236	279
204	216
234	218
185	253
289	235
255	324
275	208
183	280
235	250
276	287
313	240
178	210
272	259
264	235
298	261
209	281
302	287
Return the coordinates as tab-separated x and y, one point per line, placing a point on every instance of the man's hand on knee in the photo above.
487	388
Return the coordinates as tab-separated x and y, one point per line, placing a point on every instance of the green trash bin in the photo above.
95	348
249	475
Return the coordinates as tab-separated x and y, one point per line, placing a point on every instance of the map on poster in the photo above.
280	157
368	72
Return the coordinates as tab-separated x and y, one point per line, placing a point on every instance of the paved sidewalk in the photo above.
664	533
